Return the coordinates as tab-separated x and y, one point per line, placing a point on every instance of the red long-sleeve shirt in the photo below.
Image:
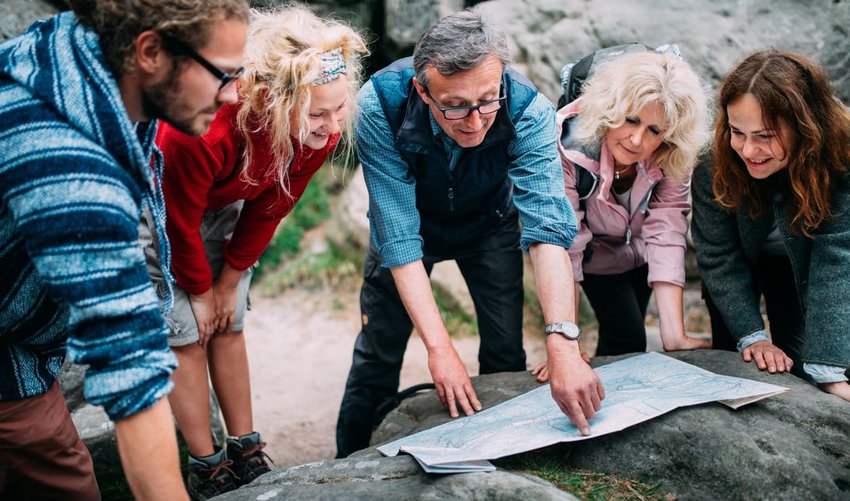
203	173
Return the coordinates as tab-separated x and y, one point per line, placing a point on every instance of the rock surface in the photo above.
17	15
547	34
406	20
792	446
398	478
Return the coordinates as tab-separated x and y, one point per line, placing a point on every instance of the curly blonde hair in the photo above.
621	88
282	63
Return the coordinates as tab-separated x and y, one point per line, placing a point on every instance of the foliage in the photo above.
330	268
551	464
457	320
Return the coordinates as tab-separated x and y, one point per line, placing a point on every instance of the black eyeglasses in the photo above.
180	47
461	112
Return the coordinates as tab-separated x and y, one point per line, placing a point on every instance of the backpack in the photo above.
573	76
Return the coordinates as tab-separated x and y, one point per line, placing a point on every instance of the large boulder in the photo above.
792	446
398	478
17	15
546	34
406	20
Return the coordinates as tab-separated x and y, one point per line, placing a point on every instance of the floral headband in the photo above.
332	65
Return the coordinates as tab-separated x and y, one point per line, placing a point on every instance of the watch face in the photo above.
567	329
571	334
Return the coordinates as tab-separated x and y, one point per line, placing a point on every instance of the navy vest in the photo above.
455	208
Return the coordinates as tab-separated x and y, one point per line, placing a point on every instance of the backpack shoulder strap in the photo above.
586	181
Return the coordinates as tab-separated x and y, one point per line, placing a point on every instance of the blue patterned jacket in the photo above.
74	176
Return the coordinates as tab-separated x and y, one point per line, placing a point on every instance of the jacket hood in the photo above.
58	61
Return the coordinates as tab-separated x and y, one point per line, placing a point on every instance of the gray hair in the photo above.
457	43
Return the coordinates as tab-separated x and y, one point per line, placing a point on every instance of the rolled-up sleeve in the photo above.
393	217
535	170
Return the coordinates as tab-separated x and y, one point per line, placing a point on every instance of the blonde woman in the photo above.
636	130
226	192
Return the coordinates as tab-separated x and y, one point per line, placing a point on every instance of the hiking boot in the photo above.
204	481
249	460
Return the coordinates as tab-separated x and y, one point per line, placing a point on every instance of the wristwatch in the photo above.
567	329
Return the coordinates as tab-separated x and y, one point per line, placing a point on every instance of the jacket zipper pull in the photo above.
628	233
451	199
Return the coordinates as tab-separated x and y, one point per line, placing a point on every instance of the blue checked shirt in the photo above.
538	194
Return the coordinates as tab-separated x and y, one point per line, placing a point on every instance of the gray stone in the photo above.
17	15
398	478
792	446
547	34
98	433
348	226
71	381
406	20
92	422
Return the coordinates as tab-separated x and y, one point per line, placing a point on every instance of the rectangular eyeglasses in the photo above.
180	47
461	112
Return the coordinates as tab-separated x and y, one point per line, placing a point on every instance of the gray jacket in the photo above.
729	243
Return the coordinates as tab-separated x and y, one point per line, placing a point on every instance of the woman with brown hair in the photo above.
771	218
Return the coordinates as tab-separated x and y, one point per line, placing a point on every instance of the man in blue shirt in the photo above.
79	97
457	150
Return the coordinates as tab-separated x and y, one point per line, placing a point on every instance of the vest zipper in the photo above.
451	191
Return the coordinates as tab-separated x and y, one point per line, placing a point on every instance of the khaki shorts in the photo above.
216	229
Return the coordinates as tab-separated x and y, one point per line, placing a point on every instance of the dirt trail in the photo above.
299	347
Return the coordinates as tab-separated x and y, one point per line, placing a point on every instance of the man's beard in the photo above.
163	101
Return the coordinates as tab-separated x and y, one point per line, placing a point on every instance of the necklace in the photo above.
619	173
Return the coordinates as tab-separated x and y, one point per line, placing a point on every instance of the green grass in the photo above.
330	268
458	321
551	465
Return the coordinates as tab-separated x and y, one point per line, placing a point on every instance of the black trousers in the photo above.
620	302
773	278
492	269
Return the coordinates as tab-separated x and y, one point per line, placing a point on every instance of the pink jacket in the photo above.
651	231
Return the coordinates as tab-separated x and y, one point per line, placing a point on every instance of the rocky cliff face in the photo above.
713	35
547	34
17	15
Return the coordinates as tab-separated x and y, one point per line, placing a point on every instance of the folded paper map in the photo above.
637	389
